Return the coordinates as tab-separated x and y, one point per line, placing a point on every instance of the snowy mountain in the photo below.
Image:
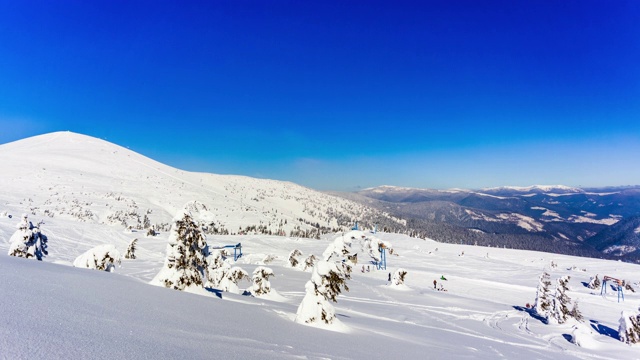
547	218
74	177
457	301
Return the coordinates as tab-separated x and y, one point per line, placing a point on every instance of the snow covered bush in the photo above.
131	250
27	241
185	263
627	286
102	257
340	247
220	274
268	258
309	262
327	281
260	278
575	312
594	282
543	302
231	279
151	232
293	258
398	277
629	329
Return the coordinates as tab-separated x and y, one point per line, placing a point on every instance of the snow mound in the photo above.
102	257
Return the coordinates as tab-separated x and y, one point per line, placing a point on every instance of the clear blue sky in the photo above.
337	94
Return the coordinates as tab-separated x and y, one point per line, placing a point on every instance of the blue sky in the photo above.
337	94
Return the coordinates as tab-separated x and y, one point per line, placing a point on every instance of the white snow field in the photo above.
51	310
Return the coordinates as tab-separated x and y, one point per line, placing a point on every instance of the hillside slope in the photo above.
75	177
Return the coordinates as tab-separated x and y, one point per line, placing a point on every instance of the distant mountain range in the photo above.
600	222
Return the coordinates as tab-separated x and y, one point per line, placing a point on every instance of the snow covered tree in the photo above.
151	231
398	277
594	282
260	278
627	286
185	263
27	241
575	312
232	276
131	250
339	248
543	302
293	258
309	262
561	301
629	329
102	257
268	258
221	275
327	281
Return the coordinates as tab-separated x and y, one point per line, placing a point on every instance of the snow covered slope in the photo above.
79	313
69	176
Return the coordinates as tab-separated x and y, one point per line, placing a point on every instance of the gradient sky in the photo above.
337	94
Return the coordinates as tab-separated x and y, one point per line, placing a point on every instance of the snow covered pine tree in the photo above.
185	262
543	302
27	241
398	277
328	278
261	285
561	301
131	250
629	329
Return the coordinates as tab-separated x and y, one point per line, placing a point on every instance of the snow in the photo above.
102	257
67	312
542	188
523	221
584	219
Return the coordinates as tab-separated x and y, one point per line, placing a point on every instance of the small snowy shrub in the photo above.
627	286
27	241
102	257
151	232
629	329
268	258
131	250
594	282
232	276
398	277
293	258
260	278
220	274
575	312
309	262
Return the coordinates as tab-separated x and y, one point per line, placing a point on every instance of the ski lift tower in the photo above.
618	282
382	263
